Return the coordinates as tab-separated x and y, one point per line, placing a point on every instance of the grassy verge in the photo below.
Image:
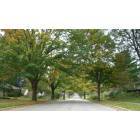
123	105
133	99
122	100
11	103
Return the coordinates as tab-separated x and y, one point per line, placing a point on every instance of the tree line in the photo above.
81	60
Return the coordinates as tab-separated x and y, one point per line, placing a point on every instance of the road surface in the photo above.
73	104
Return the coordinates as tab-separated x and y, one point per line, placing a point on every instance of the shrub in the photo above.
93	97
57	96
113	94
14	94
4	98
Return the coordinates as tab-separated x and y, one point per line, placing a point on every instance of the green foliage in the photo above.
82	61
125	70
32	52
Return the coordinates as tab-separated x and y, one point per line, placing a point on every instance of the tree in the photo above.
83	86
128	39
32	52
101	75
6	72
125	71
95	53
53	81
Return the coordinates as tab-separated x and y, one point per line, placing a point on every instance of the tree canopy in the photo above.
70	59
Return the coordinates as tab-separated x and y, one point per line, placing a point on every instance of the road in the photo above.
73	104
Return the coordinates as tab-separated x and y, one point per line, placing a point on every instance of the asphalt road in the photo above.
73	104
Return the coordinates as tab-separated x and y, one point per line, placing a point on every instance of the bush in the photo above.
14	94
93	97
122	94
57	96
113	94
4	98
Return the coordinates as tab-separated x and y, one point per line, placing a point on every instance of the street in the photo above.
73	104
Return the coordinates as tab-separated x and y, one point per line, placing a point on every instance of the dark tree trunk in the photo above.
64	95
99	85
53	86
53	94
34	84
99	90
84	95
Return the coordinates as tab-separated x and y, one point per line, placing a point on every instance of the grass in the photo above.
127	98
11	103
128	101
122	104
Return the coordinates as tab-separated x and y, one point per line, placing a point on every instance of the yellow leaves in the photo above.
80	84
53	75
13	35
44	36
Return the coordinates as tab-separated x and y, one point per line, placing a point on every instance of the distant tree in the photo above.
125	70
128	39
97	54
53	81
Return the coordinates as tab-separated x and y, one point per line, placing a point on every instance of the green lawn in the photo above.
126	101
122	104
134	99
6	103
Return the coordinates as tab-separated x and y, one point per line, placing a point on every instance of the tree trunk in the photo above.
99	90
64	95
98	85
53	94
34	84
84	95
